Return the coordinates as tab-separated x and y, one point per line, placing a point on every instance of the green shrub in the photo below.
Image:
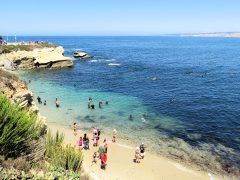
59	155
17	128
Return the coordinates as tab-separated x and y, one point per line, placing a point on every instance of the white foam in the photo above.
94	60
211	176
114	64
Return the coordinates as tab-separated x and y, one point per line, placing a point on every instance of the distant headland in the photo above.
214	34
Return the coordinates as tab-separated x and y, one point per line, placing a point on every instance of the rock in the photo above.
40	58
82	55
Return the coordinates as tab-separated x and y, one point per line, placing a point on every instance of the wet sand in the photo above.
120	163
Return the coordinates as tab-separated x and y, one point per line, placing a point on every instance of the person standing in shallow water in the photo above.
100	104
57	103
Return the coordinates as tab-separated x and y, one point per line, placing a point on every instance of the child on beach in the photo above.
74	127
80	143
114	135
137	155
94	157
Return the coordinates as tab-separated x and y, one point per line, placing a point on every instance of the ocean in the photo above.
182	94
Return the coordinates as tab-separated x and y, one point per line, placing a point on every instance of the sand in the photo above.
120	163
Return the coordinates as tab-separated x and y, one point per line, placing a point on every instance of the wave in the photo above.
114	64
101	60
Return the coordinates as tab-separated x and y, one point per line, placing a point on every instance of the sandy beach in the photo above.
120	163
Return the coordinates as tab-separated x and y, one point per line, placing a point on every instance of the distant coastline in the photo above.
215	34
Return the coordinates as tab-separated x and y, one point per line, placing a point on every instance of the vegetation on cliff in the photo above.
23	47
18	128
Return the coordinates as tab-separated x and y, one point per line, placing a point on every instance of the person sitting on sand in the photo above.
142	150
57	103
45	103
137	155
74	127
94	157
80	143
114	135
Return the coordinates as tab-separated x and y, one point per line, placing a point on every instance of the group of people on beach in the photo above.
84	144
139	153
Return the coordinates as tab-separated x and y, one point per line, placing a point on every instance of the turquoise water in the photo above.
183	94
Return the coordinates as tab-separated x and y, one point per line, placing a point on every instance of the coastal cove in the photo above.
173	87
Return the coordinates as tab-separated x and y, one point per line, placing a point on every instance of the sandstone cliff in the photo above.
16	90
50	57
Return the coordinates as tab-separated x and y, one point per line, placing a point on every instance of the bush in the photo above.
59	155
18	128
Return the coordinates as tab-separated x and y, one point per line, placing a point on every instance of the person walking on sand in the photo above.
74	127
114	135
85	141
57	103
104	161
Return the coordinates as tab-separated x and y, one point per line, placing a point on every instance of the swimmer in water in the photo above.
106	102
45	103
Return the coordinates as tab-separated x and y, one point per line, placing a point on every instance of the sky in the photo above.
118	17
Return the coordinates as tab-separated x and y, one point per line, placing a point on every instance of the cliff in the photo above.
16	90
46	57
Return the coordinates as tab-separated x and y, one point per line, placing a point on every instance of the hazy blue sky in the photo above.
118	17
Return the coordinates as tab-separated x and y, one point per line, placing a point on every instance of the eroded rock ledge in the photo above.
49	57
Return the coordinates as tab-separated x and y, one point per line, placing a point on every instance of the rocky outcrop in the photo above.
52	57
82	55
16	90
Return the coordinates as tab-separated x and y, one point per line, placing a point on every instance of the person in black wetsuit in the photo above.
57	103
39	100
